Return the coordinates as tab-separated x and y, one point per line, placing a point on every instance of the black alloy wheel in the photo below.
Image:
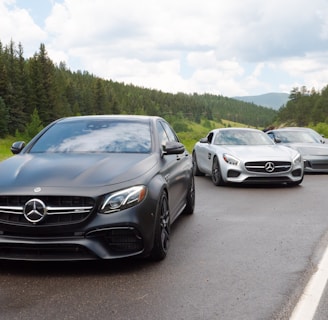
216	173
162	229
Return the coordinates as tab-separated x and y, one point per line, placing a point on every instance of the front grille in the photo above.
260	166
270	180
60	209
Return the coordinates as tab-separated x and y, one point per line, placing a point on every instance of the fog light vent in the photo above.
233	174
297	173
124	240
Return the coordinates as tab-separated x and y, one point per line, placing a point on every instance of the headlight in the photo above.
123	199
297	159
230	159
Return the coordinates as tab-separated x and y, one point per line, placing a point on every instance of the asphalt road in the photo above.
246	253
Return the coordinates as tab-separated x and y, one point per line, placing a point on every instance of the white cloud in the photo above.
312	68
229	48
17	25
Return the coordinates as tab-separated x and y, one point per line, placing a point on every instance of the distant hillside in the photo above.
272	100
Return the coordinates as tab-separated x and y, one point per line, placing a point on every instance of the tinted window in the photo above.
95	136
271	135
295	136
171	136
165	133
162	136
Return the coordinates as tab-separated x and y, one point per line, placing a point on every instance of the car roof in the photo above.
293	129
234	128
108	117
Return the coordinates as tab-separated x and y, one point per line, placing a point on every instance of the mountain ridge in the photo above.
273	100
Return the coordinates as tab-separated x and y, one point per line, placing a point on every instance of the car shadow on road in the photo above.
71	268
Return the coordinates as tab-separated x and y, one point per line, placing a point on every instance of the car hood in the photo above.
73	170
261	153
310	148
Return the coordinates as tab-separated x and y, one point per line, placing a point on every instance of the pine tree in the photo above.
4	117
33	127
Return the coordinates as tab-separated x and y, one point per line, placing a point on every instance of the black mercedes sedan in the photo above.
94	187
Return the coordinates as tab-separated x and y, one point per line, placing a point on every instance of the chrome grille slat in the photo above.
67	210
60	210
50	210
259	166
13	210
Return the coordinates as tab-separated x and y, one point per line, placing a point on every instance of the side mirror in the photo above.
173	147
17	147
203	140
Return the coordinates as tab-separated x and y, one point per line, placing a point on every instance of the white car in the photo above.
244	155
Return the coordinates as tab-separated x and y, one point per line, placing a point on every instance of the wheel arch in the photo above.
157	186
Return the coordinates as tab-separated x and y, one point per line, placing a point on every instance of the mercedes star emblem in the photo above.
269	167
34	210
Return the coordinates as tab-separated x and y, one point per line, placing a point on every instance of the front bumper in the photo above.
110	243
316	164
257	175
103	236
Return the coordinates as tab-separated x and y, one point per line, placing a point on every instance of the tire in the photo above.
162	229
216	173
190	201
196	170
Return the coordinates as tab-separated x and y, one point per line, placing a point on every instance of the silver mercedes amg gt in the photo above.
244	155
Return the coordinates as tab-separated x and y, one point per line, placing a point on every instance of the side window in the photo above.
170	133
165	133
210	137
218	139
271	135
163	138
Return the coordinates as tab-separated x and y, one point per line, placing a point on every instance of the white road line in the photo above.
309	301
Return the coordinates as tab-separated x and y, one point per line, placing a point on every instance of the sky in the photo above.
229	48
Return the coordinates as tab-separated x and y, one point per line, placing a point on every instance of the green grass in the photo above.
197	131
5	145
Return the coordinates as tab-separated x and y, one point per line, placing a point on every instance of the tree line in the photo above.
36	86
305	107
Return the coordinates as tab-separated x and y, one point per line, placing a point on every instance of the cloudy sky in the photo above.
229	48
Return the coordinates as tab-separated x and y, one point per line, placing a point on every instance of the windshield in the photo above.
295	136
95	136
242	137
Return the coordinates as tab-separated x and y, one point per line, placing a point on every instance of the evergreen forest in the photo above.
38	85
34	91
